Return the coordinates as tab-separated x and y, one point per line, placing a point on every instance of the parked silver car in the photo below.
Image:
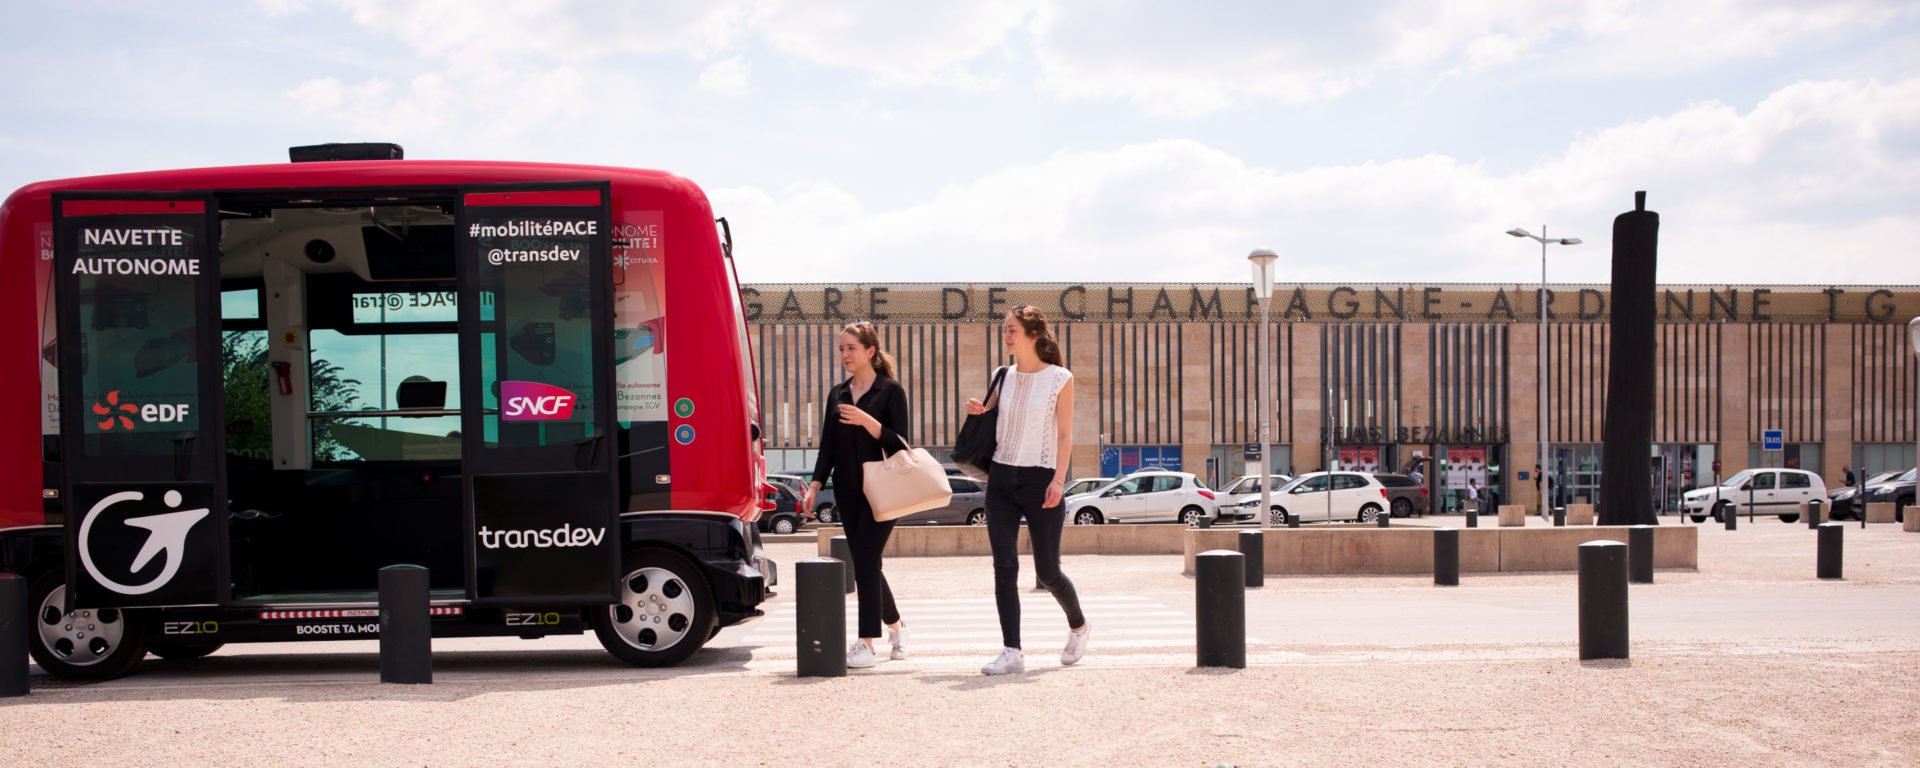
968	507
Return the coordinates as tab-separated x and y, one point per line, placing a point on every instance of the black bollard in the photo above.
1253	546
820	621
1730	517
1633	330
1559	517
1383	519
1640	554
1473	517
1220	609
1603	600
406	626
14	618
1814	508
1293	520
1446	557
1827	564
844	553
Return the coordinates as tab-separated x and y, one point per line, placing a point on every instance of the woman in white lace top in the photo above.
1033	436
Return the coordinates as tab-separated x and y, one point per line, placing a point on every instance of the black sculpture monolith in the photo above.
1626	496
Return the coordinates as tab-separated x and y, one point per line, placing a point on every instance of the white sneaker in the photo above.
899	639
1010	660
859	656
1076	645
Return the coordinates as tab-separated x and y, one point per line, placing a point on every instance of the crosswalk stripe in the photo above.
1031	612
957	631
1025	595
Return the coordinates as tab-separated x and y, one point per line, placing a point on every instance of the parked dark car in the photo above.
1844	503
794	483
1405	495
788	514
968	507
824	510
1898	492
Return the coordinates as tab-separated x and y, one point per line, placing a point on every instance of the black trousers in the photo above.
1014	492
867	538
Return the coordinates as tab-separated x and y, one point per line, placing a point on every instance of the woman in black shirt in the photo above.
865	411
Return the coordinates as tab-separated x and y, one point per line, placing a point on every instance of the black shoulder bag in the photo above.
979	436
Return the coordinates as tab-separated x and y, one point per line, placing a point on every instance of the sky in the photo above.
1057	140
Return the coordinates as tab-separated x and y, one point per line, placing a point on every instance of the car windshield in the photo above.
1310	479
1738	479
1906	477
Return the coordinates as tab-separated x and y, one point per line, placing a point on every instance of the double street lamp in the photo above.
1546	461
1262	262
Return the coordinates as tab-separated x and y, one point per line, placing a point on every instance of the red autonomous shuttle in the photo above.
254	387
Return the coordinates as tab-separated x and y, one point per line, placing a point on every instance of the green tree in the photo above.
248	378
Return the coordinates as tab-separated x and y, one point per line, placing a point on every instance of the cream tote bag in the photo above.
905	482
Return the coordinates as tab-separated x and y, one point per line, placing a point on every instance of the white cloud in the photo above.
376	107
1165	59
895	43
281	7
1810	184
498	35
726	76
1170	63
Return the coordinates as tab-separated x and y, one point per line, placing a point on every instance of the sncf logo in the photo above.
118	415
533	401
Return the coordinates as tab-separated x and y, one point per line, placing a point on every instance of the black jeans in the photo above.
867	538
1013	492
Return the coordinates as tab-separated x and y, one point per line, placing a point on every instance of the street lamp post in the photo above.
1913	335
1262	261
1546	461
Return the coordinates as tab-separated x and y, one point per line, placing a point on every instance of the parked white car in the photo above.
1240	500
1330	496
1778	493
1151	496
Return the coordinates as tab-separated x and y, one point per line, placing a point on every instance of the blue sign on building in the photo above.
1772	440
1120	460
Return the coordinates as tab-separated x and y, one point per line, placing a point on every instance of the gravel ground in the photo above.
1705	710
1789	690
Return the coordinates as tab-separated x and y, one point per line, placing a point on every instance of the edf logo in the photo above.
118	415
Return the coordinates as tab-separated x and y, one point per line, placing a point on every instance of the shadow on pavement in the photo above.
317	677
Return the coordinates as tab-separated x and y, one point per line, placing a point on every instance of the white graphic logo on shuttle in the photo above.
166	532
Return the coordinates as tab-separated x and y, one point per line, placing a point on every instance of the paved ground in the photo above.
1748	661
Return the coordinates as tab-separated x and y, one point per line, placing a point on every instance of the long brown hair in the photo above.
1033	322
864	333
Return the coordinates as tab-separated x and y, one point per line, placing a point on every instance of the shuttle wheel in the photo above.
84	643
665	612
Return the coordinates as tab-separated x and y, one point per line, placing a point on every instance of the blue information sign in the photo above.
1771	440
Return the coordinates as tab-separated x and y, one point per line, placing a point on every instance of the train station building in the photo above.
1381	376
